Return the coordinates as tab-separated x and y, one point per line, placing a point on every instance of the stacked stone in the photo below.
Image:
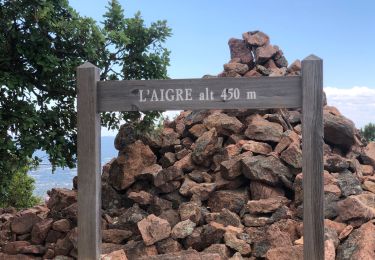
254	56
213	184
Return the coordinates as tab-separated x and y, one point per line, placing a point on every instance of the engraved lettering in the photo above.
169	97
179	92
141	99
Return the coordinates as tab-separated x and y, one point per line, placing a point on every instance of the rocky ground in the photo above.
215	185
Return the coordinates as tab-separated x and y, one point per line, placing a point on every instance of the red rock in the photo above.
168	180
224	184
239	50
287	138
149	173
168	159
142	197
295	66
280	59
197	130
187	185
40	231
338	130
33	249
292	156
63	246
49	254
231	240
183	229
115	236
266	205
115	255
254	221
134	158
205	146
137	250
285	253
346	232
231	169
107	248
225	217
339	227
252	73
277	72
369	154
259	190
219	249
357	207
232	200
203	190
367	170
335	163
329	250
171	215
53	236
256	147
263	70
153	229
168	245
369	185
17	257
360	244
190	210
264	53
256	38
224	124
61	198
236	68
185	164
265	169
15	247
24	223
169	137
262	130
185	255
62	225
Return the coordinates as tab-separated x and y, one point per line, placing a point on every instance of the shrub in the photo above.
368	132
20	191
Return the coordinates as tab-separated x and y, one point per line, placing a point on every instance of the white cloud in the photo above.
356	103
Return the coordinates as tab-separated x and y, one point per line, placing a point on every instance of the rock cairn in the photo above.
254	56
215	184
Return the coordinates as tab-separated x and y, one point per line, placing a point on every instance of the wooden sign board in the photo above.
96	96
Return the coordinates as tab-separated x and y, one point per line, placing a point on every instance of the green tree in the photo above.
368	132
20	191
41	44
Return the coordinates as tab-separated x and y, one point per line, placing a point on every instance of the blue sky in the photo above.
340	32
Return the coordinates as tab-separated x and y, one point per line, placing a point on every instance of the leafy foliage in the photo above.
41	44
368	132
20	193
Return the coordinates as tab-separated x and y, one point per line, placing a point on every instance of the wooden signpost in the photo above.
96	96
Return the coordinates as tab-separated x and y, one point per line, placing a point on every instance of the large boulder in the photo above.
359	245
131	161
240	50
267	169
262	130
153	229
338	130
232	200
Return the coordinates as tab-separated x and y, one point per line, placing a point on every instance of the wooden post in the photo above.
312	151
89	179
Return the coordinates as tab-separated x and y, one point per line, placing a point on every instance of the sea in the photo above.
45	179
